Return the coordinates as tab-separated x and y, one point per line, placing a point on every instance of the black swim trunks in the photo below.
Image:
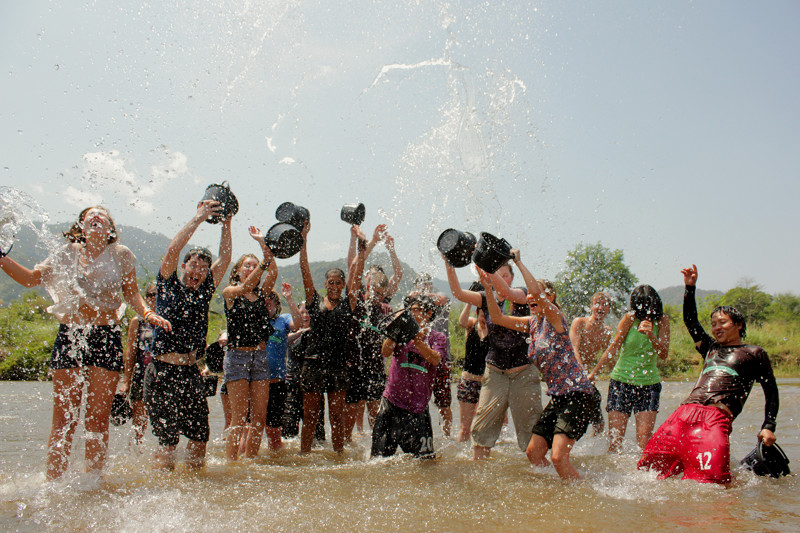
176	402
569	414
394	427
81	346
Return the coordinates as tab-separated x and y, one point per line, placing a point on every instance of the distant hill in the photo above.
674	295
149	249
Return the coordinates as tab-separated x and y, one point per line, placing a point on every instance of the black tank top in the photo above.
475	350
248	322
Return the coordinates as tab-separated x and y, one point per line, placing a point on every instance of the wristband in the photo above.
3	254
263	265
147	315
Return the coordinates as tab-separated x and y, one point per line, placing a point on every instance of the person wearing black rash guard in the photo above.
695	438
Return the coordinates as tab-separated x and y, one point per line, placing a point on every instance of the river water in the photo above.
322	492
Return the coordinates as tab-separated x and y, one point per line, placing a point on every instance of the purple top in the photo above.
552	354
411	376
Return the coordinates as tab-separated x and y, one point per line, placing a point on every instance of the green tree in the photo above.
784	307
589	269
750	300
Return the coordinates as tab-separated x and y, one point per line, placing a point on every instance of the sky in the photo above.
668	130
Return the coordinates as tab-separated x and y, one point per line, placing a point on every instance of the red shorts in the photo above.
693	440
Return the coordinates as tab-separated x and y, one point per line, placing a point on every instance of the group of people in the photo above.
334	344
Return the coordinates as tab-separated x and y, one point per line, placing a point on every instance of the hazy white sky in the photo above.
666	129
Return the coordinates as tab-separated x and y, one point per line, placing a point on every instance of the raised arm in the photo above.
356	270
517	296
517	323
219	266
464	320
305	269
536	294
286	291
699	335
205	210
466	296
397	268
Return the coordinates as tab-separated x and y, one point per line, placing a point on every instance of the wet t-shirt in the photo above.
729	372
507	348
411	376
551	352
187	311
327	339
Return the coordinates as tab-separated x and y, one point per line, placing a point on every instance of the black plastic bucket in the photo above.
456	246
402	328
222	194
284	240
353	213
290	213
767	461
121	410
491	253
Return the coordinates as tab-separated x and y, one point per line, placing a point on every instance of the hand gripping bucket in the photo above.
491	253
401	327
222	194
767	461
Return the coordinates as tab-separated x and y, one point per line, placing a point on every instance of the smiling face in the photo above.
421	316
194	272
725	330
247	267
334	285
600	307
534	306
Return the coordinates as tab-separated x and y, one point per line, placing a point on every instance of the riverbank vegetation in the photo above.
27	332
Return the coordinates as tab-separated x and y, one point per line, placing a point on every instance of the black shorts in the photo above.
176	402
365	385
569	415
276	404
318	379
626	398
397	427
79	346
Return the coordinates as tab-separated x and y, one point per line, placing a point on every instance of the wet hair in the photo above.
150	286
646	303
200	253
600	294
506	264
273	296
378	278
234	278
75	232
549	288
736	317
335	270
423	300
423	279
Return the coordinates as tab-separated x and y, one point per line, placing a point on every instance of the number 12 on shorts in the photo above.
704	458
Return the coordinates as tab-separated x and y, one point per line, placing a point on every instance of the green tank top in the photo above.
637	359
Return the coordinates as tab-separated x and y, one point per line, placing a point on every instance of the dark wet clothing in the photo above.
507	348
248	322
187	311
327	342
729	371
475	350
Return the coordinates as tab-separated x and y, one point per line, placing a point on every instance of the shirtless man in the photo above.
588	334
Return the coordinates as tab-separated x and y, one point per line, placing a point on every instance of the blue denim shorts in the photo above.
249	365
626	398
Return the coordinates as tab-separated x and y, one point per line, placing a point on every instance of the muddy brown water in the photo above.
323	492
